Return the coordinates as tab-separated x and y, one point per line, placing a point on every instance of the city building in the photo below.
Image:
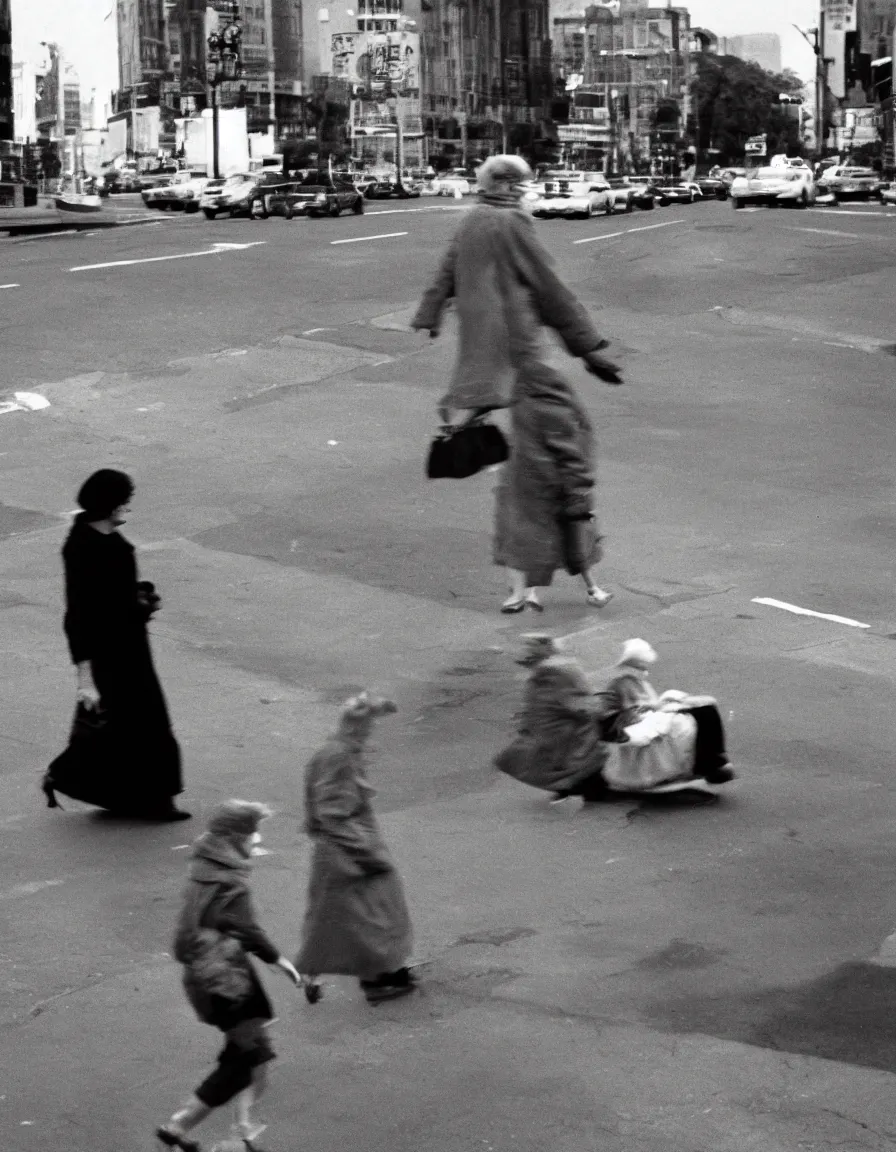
24	96
763	48
627	73
142	50
7	130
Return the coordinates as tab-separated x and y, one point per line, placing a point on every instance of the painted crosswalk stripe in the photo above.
361	239
627	232
797	611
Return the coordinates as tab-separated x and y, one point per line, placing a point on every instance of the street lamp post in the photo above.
224	47
814	37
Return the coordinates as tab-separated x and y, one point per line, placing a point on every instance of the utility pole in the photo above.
814	37
224	59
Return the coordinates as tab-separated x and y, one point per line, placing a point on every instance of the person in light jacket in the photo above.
504	289
216	933
505	292
356	921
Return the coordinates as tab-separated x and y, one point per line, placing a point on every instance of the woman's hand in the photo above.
603	368
87	694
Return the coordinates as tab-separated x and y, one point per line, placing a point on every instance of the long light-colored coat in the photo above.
505	291
558	743
548	478
627	699
356	920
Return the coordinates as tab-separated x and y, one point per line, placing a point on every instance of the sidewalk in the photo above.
45	218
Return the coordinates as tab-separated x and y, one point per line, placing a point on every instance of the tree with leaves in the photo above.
734	99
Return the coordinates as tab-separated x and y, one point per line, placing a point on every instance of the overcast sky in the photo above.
88	40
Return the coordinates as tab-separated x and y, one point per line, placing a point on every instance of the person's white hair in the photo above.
500	171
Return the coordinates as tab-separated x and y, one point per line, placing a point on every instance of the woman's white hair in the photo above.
499	171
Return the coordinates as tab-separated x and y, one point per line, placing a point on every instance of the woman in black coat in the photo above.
122	755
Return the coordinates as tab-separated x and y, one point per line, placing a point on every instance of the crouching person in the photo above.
216	933
559	742
356	921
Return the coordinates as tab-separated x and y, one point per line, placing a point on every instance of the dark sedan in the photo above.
316	195
389	187
713	187
645	192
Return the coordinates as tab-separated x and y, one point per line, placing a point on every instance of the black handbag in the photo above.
87	770
581	544
457	453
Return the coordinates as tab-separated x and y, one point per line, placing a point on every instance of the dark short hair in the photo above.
103	492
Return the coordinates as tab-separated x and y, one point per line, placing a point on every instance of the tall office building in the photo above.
142	51
763	48
7	130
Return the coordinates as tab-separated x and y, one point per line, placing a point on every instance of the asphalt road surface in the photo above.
630	979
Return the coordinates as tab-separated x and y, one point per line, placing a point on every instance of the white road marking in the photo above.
403	211
872	210
834	232
361	239
627	232
217	250
10	285
770	603
29	889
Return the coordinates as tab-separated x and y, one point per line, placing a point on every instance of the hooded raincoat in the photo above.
548	479
559	741
217	899
505	291
356	920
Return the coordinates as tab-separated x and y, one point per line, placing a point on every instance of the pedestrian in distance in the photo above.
216	933
122	754
505	291
356	920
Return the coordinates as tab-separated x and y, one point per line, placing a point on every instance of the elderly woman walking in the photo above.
216	933
505	291
357	921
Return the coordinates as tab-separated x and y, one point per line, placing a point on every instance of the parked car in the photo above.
678	191
773	186
242	194
712	187
317	195
156	177
888	193
843	182
623	195
645	193
386	187
456	179
182	190
574	197
121	180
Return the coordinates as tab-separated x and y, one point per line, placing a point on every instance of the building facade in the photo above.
142	49
762	48
627	72
7	129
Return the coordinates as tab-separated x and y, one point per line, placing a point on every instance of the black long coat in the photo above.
136	758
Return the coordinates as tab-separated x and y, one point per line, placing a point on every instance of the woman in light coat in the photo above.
356	920
659	739
505	291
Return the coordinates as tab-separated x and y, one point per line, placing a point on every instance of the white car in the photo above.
457	179
574	198
772	186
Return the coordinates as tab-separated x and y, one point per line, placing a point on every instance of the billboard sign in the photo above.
378	62
840	15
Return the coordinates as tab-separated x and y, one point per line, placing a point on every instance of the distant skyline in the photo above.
746	17
85	29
